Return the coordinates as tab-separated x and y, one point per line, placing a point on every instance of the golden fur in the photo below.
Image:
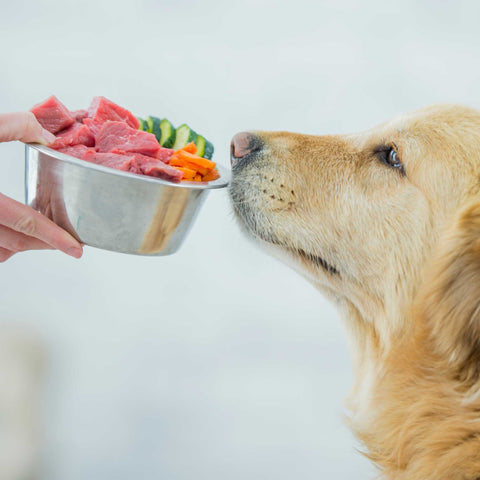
400	257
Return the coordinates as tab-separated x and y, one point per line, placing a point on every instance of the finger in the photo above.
26	220
19	242
23	126
5	254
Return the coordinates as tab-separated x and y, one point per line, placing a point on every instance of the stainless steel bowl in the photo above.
111	209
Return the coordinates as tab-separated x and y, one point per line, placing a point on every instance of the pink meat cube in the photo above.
53	115
126	163
79	115
156	168
74	135
164	154
119	136
94	127
102	110
77	151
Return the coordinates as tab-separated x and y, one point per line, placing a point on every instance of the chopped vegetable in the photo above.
148	125
189	147
154	124
200	144
188	174
208	153
179	162
212	175
168	135
195	159
142	124
184	135
185	160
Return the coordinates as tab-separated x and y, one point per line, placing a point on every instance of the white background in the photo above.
217	362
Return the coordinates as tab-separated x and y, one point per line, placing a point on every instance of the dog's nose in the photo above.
243	144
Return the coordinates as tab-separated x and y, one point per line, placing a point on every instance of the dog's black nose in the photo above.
243	144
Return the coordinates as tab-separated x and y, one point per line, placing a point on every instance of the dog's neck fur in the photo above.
416	420
415	403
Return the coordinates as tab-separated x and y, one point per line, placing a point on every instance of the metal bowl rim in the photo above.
221	182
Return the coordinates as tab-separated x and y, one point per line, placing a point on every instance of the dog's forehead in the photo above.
382	133
433	121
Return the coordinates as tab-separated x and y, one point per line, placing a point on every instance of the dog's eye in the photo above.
391	158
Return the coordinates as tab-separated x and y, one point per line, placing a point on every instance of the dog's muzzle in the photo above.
243	145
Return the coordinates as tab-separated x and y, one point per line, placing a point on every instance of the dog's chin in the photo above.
297	257
262	228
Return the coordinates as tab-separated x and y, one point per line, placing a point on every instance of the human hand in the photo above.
21	227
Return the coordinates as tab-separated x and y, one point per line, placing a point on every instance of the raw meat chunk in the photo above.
164	154
126	163
156	168
102	110
76	151
79	115
94	127
119	136
53	115
74	135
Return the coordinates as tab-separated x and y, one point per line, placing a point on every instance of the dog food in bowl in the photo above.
109	135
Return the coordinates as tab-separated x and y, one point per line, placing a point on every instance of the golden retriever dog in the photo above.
386	224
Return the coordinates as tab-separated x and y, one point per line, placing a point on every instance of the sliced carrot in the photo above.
189	147
198	178
211	175
195	159
188	174
177	161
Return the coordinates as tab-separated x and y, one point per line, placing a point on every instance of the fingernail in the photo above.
48	137
75	252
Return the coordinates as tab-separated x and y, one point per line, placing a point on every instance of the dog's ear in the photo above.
449	299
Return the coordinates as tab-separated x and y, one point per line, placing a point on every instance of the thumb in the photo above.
25	127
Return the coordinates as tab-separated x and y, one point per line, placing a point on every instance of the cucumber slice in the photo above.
141	121
148	127
154	126
184	135
167	138
200	143
208	153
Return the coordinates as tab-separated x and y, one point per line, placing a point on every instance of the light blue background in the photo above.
217	362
